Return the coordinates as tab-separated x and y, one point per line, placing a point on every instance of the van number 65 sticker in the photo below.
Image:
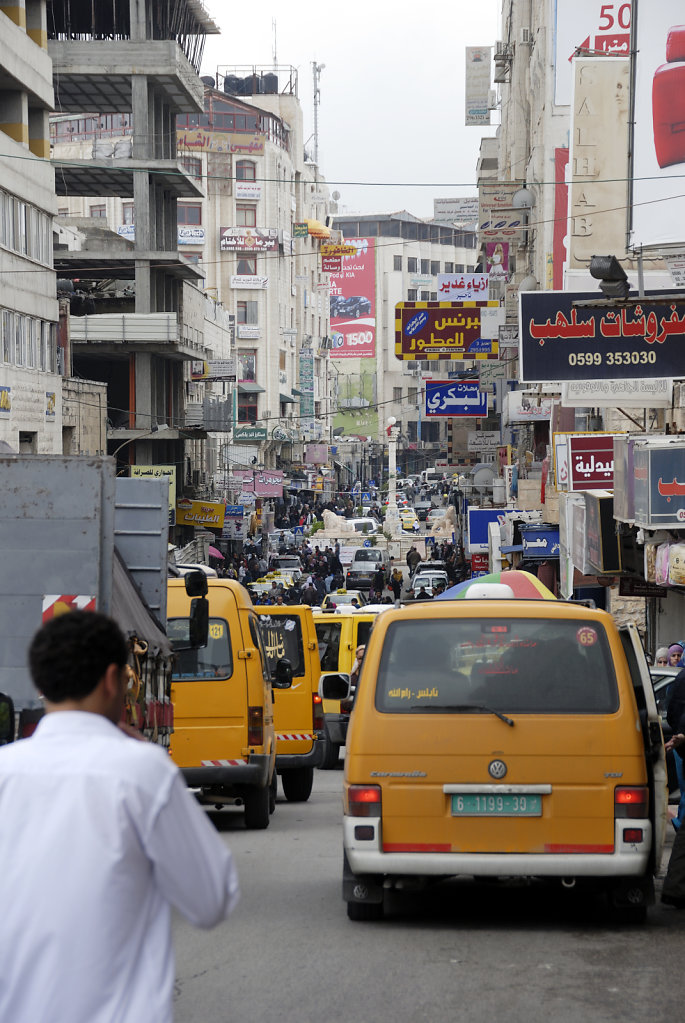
586	636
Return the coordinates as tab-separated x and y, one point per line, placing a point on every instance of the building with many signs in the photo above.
392	258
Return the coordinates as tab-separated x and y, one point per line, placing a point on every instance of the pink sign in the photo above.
353	303
591	461
261	483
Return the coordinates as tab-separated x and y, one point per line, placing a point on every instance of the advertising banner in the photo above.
658	144
447	399
152	472
462	287
518	408
248	239
659	475
498	221
221	142
442	330
591	461
587	25
482	441
478	62
560	342
459	212
353	302
260	482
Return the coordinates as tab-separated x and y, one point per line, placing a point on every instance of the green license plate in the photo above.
483	804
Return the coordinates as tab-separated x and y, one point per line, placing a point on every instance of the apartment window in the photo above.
7	332
430	432
397	394
425	266
435	267
434	296
247	366
412	264
248	312
128	212
411	295
425	296
245	170
245	214
98	211
412	430
459	268
449	268
397	262
246	266
192	165
62	212
411	395
247	408
189	213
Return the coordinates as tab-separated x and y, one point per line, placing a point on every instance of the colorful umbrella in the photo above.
214	552
525	585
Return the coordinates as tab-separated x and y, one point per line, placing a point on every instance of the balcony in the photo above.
155	332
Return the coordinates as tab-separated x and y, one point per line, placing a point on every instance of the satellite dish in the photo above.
482	477
335	195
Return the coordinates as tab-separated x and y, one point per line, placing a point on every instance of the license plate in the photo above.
475	804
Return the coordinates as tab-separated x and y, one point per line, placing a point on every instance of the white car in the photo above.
429	580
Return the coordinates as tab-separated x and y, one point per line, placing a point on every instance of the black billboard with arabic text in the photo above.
560	341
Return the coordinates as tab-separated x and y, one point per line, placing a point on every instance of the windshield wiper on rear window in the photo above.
482	707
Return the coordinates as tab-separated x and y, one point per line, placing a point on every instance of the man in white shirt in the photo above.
99	839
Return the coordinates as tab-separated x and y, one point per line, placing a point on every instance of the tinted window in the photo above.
211	661
363	632
282	635
328	636
368	555
511	665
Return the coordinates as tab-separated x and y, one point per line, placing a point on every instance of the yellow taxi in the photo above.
408	517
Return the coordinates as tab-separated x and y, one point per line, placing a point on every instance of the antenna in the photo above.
275	51
317	69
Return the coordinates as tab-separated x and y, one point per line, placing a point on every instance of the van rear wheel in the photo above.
331	755
365	910
297	784
273	792
257	808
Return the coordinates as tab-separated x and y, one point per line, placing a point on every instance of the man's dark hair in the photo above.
71	653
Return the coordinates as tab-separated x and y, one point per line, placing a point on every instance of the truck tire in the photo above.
257	808
273	791
331	755
297	784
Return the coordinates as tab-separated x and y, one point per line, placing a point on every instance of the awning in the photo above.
317	230
515	548
286	398
295	391
249	388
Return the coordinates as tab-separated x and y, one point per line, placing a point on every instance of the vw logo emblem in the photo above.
497	768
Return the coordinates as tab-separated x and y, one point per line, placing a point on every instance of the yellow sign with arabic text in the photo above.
239	144
338	250
200	513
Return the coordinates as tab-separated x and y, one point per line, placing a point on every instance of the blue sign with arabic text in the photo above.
445	398
540	542
562	340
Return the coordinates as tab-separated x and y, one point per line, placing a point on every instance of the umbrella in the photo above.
214	552
525	585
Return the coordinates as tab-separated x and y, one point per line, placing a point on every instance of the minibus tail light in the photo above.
255	726
364	800
631	802
317	712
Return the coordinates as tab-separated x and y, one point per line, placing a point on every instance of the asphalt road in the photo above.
465	952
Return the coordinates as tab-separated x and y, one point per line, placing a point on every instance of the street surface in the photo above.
465	952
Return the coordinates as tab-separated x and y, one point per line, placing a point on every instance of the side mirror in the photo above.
6	720
334	687
283	674
196	584
198	625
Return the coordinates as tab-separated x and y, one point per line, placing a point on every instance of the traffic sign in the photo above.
298	530
366	496
367	543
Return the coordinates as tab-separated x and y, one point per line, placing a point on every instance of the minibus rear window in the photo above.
282	635
328	638
211	661
530	666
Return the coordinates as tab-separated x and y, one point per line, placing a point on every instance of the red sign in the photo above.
480	563
442	330
261	483
591	461
353	303
331	264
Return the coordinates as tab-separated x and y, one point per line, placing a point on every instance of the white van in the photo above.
429	476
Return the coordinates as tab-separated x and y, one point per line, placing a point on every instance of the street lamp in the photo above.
143	436
392	517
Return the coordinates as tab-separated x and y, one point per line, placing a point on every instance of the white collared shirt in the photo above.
98	838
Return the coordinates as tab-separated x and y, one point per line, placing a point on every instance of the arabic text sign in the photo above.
520	409
248	239
540	542
151	472
591	461
655	392
442	330
221	142
588	25
449	399
462	287
353	302
485	440
478	64
456	211
560	342
199	513
659	477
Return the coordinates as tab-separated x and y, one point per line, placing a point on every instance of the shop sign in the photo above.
220	142
442	330
540	542
249	281
451	399
562	341
300	231
248	190
248	434
629	587
659	484
199	513
248	239
520	409
591	461
462	287
249	333
155	472
485	440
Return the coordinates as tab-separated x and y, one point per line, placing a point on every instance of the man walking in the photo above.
100	838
